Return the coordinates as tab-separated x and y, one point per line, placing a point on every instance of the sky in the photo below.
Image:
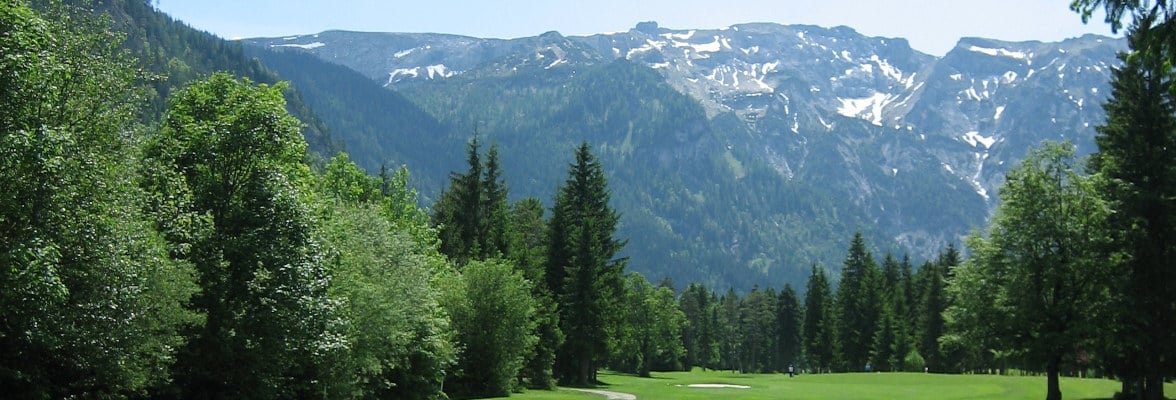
931	26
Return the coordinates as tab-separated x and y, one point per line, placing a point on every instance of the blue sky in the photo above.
932	26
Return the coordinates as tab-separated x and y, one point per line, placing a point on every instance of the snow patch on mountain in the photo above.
974	138
429	72
867	108
999	52
307	46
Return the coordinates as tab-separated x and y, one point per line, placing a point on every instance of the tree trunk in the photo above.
1053	391
1153	387
585	365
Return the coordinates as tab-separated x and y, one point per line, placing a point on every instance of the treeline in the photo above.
880	318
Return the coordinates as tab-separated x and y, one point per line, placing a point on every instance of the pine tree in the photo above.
493	239
583	254
819	338
931	324
789	320
693	304
859	302
1137	157
458	214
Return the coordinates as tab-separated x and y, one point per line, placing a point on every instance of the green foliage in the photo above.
399	339
343	180
228	150
471	215
819	320
931	324
789	321
651	338
175	54
914	362
493	314
1035	277
859	304
375	125
91	303
1135	158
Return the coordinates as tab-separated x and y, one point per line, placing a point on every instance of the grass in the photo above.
865	386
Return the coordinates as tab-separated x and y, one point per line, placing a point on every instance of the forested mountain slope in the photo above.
739	154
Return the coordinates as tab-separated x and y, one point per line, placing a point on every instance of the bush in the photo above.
913	362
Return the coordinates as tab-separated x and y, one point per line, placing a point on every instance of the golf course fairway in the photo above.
862	386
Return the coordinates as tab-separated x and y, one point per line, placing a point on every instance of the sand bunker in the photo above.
718	386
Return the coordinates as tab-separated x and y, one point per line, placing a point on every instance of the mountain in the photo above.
737	156
174	54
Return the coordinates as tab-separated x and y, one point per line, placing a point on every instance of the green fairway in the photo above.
881	386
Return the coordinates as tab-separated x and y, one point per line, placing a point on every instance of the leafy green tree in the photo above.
493	314
1039	264
230	155
346	182
789	319
398	204
652	337
819	329
91	303
859	302
583	269
1136	157
400	341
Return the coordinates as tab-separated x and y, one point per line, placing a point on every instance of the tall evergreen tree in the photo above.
789	320
472	215
758	323
819	340
931	307
583	253
493	239
731	331
692	302
859	303
1137	156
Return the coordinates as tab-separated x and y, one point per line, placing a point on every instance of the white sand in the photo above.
718	386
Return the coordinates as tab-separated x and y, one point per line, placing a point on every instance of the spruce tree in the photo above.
583	268
818	322
859	304
789	320
931	307
1137	157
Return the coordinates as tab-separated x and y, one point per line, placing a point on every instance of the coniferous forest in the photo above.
176	223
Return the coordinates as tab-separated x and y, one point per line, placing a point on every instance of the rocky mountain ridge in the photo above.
917	144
